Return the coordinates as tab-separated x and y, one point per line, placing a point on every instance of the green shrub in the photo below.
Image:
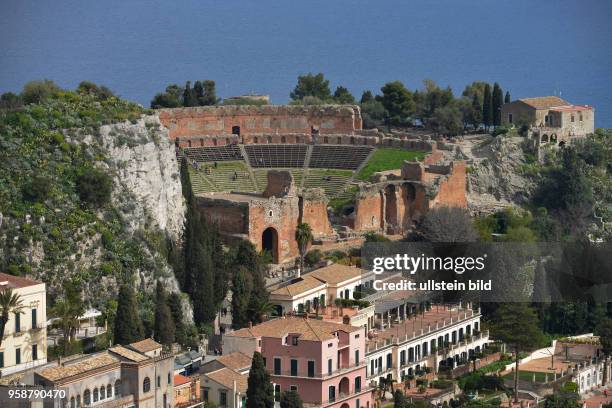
94	187
312	257
37	189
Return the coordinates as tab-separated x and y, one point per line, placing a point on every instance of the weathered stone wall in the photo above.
272	119
280	184
314	212
231	217
452	188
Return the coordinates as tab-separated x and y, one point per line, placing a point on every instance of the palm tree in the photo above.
10	302
68	320
303	236
264	309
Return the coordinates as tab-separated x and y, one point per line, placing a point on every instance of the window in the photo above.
573	118
17	356
87	397
294	340
95	395
357	403
158	381
311	369
264	361
34	352
356	357
329	345
293	388
102	392
146	385
1	359
72	402
17	322
329	366
78	401
109	391
389	360
332	393
580	116
277	392
34	318
294	367
222	398
509	118
118	388
357	384
169	379
277	366
402	357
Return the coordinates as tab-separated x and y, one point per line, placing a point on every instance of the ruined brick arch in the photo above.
339	140
283	139
352	140
269	139
214	141
269	242
390	197
325	139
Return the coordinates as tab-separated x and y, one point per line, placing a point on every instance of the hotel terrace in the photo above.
323	361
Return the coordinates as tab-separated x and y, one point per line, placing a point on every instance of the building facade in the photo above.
323	361
24	341
553	120
121	377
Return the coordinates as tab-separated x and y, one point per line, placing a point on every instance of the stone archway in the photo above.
390	209
269	242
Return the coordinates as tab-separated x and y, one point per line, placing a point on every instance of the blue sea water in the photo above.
137	47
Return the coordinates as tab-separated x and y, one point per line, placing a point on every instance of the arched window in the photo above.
96	395
283	139
78	401
109	391
72	402
118	388
87	397
146	385
102	392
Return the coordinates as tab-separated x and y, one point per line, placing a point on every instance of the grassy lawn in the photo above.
388	159
528	376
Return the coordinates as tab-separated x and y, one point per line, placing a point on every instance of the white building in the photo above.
24	341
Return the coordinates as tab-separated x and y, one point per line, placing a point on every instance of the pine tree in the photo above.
164	330
128	326
487	107
507	97
366	97
516	324
260	392
497	100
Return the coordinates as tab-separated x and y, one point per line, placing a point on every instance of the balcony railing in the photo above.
344	396
301	374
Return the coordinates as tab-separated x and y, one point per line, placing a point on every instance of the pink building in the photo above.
323	361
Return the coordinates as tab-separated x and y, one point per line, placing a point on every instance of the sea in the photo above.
137	47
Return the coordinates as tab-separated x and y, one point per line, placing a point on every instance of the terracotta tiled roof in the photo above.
226	377
14	282
128	354
336	273
145	345
304	284
544	102
309	329
69	370
235	360
180	380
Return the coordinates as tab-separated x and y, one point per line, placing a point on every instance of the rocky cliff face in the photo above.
147	180
496	172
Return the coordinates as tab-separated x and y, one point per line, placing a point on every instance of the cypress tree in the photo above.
497	101
198	90
176	310
128	326
476	113
164	330
242	285
210	94
366	97
507	97
189	98
260	392
204	309
487	107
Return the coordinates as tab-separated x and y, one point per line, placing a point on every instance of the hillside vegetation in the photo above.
77	203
